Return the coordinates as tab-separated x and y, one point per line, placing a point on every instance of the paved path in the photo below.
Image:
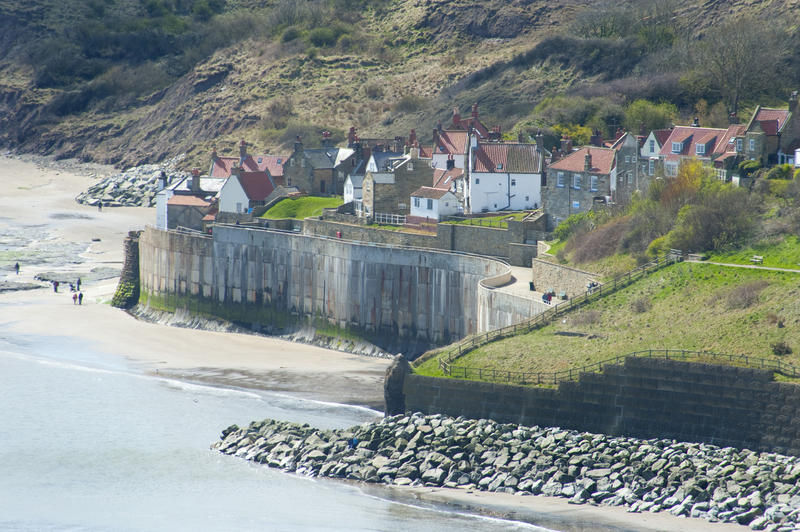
751	266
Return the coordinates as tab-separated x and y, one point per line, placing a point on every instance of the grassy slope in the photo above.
690	310
783	253
300	208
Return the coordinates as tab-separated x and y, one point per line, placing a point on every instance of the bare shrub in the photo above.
641	305
781	348
278	112
745	295
771	318
586	317
602	242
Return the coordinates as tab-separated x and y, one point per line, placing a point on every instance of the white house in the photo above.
244	191
503	176
353	190
651	148
207	188
433	203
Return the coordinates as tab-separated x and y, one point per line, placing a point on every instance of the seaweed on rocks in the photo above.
686	479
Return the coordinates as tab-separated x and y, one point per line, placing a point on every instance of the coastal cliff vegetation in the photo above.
134	81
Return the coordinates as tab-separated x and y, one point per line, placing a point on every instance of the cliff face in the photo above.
406	64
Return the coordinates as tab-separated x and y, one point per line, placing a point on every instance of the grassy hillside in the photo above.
691	306
129	81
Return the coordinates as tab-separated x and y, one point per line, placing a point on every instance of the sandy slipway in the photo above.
685	479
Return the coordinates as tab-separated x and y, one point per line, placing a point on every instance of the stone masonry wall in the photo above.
547	275
645	398
405	298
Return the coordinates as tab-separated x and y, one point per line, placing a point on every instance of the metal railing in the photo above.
472	342
388	219
555	377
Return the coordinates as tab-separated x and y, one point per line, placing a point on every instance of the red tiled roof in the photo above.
771	120
443	178
451	142
728	141
272	164
429	192
507	157
602	160
210	217
661	135
223	166
690	137
256	185
425	152
187	201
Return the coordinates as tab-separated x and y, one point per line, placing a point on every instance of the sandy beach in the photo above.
39	201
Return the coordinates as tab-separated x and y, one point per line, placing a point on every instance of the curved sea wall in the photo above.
402	299
690	479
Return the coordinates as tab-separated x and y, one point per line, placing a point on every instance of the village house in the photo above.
430	204
503	176
715	147
773	135
272	165
390	179
244	191
452	144
650	150
187	202
320	171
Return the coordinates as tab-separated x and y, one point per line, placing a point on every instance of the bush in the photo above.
745	295
602	242
322	37
289	34
641	305
781	348
409	103
586	317
575	224
782	171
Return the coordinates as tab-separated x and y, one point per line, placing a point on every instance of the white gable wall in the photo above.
232	197
447	205
490	191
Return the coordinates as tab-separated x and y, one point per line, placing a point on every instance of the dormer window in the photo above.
700	149
677	147
279	160
499	166
259	160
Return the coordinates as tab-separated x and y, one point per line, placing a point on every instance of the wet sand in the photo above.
43	198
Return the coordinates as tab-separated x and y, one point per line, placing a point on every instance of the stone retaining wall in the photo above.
548	275
646	398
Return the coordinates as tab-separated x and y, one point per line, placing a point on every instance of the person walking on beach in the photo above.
16	268
80	298
55	286
79	284
100	206
74	298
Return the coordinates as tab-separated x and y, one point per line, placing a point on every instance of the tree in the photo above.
650	115
742	58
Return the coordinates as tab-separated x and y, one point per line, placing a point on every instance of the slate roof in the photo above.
207	184
429	192
257	185
507	157
602	160
187	200
383	157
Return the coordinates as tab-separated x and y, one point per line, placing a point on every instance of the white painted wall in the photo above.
351	192
490	191
445	206
161	208
439	160
232	197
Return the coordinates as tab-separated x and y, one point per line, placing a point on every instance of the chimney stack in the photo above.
794	104
195	185
475	111
587	161
351	137
242	151
451	162
596	138
162	180
214	155
696	122
298	144
412	138
326	139
456	118
566	145
495	134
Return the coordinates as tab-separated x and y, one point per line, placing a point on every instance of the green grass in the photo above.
691	306
299	208
491	221
556	246
781	253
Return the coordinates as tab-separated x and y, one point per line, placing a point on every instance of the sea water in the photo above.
88	443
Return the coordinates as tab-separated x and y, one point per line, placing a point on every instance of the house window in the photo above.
651	167
410	167
576	181
576	205
630	178
238	207
739	145
627	158
593	183
430	204
527	198
477	180
513	182
303	163
416	202
560	179
652	146
700	149
752	144
499	166
677	147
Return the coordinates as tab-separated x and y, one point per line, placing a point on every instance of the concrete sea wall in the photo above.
548	275
403	299
646	398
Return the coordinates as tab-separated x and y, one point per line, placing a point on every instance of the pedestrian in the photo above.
55	286
16	267
79	284
80	298
74	298
100	206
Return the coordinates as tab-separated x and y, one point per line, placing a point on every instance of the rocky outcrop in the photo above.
134	187
686	479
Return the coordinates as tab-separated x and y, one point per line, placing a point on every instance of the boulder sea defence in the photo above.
686	479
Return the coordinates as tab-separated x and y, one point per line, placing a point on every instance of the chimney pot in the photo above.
475	110
587	161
